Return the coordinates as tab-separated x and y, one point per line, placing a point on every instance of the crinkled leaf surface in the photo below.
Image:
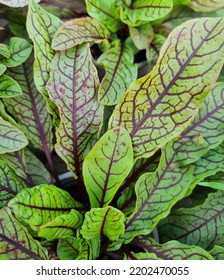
207	130
206	5
107	165
11	138
143	11
15	241
105	11
29	110
156	193
10	183
68	248
41	27
107	221
172	250
201	225
73	87
159	106
20	49
16	3
9	87
121	71
217	252
41	204
63	225
141	36
78	31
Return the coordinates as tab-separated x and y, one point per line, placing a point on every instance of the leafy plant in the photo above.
126	98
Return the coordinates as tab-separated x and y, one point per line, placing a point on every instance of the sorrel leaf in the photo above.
41	27
99	222
206	5
217	252
141	36
85	250
215	181
201	225
17	25
16	3
105	11
153	50
9	87
29	110
156	193
68	248
63	225
118	62
11	138
107	165
73	87
2	69
15	241
41	204
20	49
4	51
143	11
78	31
164	102
10	183
206	132
172	250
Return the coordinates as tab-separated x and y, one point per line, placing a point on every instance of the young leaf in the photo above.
4	51
121	71
141	36
20	49
105	11
164	102
78	31
41	204
41	27
172	250
206	132
16	3
9	87
29	110
217	252
143	11
15	241
156	193
63	225
206	5
68	248
106	221
107	165
73	87
2	69
201	225
10	183
11	138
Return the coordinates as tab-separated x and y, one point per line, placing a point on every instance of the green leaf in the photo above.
141	36
9	87
41	204
41	27
143	11
10	183
201	225
216	181
156	193
73	87
63	225
152	51
206	5
85	250
29	110
17	25
105	11
4	51
11	138
78	31
68	248
2	69
121	71
217	252
107	165
107	221
172	250
20	49
206	131
165	101
16	3
15	241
